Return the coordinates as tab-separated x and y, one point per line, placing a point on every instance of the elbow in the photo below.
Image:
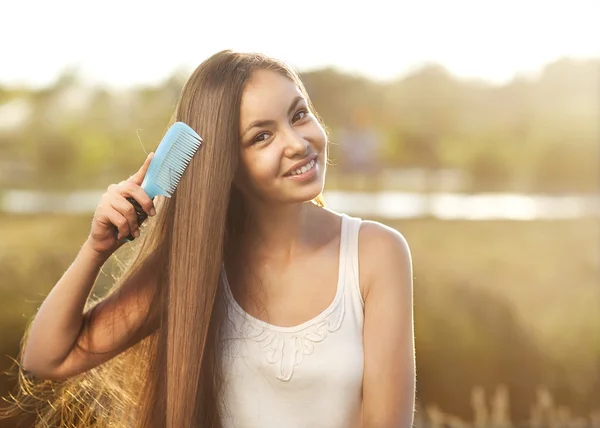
42	374
33	368
30	371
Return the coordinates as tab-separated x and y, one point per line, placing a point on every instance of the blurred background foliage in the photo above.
536	134
507	312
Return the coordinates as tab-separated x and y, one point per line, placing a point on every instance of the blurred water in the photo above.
456	206
391	205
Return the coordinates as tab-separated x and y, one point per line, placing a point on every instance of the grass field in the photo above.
496	303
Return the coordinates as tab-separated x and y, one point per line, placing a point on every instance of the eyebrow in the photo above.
261	123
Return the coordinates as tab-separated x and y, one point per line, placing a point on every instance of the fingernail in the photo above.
152	212
136	233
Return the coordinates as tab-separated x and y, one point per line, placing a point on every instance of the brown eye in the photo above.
260	137
300	114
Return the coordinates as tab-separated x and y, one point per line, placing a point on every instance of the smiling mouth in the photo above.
302	169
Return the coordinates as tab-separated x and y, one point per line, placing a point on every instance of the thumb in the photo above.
138	177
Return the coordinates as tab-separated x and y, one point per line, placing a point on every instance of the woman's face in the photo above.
283	146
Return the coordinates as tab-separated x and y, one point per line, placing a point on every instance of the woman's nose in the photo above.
295	144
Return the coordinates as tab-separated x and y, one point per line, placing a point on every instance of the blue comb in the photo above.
170	161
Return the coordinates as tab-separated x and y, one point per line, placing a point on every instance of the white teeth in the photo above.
305	168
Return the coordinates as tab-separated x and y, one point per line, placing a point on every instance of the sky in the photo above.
128	42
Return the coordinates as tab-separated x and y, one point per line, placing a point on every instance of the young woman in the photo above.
248	304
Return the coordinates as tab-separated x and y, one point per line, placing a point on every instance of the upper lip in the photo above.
302	163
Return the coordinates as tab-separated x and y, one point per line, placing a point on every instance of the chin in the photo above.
306	194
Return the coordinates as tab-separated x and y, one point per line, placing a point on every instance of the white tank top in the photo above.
306	376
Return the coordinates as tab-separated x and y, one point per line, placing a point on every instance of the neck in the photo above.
277	228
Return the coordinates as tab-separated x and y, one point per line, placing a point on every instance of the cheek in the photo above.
261	167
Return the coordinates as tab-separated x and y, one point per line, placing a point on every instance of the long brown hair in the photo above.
173	377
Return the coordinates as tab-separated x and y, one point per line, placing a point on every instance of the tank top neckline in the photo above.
318	318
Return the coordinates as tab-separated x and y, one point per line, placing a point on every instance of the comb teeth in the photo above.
176	161
171	159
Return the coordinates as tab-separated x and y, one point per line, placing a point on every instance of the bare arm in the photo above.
57	340
58	347
389	376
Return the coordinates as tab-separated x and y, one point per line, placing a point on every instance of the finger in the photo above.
127	210
138	177
128	188
120	222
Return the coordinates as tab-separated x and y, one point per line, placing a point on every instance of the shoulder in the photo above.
374	234
384	257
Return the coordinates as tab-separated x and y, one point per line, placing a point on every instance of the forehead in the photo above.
267	95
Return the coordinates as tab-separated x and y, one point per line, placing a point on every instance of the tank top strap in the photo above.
350	232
